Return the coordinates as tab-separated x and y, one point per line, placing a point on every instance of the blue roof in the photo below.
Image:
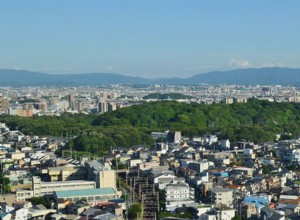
259	201
256	199
85	192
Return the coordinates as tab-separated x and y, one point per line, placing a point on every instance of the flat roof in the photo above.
67	182
85	192
243	168
220	190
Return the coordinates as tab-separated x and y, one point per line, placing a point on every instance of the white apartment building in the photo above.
222	196
178	194
219	213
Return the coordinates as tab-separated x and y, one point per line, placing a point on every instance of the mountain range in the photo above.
250	76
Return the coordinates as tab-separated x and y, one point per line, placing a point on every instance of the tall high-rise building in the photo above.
71	99
102	107
112	106
4	104
44	106
79	106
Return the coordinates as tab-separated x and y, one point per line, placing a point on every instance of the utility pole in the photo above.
2	184
117	174
126	203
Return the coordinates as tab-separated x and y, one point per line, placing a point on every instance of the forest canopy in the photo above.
255	120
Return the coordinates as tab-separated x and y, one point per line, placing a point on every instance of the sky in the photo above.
148	38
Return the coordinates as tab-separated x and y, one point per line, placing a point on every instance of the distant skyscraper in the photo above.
102	107
71	99
112	106
4	104
44	107
79	106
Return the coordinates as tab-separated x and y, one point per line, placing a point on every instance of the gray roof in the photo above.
105	216
95	164
220	190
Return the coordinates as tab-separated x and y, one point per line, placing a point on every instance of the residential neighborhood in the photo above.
149	110
202	177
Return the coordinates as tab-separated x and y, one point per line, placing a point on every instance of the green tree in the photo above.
292	167
134	210
265	169
39	200
237	217
6	183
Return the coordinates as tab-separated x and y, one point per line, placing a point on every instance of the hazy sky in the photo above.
152	38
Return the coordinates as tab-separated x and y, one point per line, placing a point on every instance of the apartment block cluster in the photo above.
31	101
27	105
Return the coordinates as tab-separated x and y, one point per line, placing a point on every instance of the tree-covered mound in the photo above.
255	120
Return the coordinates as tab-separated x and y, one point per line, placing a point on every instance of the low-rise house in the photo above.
99	215
78	207
238	190
148	165
258	201
134	162
18	155
248	211
123	158
40	212
22	214
199	166
244	171
267	213
256	185
220	212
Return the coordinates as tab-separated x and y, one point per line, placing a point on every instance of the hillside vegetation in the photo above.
256	121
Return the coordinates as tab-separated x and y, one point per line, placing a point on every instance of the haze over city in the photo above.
168	38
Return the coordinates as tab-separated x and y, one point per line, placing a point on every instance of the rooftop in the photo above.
67	182
85	192
220	190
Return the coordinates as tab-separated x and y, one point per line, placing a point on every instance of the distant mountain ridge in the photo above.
251	76
10	77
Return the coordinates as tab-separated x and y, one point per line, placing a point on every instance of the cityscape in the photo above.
149	110
29	101
176	176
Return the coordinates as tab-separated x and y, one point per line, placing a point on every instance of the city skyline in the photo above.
148	38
